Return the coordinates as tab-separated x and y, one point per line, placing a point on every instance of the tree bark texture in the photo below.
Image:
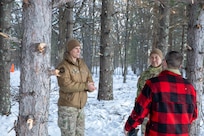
127	40
58	3
87	32
195	57
87	45
107	53
5	57
164	21
66	24
35	81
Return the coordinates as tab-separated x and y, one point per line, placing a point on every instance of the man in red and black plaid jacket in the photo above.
170	101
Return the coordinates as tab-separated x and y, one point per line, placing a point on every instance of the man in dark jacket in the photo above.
74	80
170	101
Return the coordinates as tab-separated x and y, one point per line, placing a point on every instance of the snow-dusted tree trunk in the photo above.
195	57
5	56
107	53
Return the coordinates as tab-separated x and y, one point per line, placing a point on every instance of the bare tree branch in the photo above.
80	9
6	36
58	3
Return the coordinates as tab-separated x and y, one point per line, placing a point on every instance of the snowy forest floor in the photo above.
103	118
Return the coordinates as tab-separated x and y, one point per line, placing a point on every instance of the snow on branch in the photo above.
58	3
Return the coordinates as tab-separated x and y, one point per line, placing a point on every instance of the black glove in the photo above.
133	132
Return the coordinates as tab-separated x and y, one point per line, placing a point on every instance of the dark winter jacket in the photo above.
171	102
73	81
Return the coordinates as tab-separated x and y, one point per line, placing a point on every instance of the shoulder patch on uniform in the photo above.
62	70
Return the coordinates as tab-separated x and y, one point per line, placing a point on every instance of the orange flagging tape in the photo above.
12	68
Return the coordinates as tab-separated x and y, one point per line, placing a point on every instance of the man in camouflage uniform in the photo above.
155	58
74	80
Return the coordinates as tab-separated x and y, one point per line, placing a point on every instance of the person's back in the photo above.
169	100
172	107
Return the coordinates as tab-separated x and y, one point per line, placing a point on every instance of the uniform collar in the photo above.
68	58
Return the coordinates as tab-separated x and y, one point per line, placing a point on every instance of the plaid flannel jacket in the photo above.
170	101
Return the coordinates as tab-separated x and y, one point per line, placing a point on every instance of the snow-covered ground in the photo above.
103	118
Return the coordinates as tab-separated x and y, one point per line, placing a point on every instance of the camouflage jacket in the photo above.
147	74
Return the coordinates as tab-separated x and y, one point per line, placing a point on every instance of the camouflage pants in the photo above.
71	121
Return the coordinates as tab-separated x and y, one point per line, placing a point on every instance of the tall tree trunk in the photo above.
94	38
66	24
87	46
155	32
107	53
195	54
5	57
164	21
35	80
126	43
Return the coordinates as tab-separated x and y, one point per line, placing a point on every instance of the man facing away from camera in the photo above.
170	101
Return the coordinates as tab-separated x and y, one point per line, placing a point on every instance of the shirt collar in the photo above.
174	71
